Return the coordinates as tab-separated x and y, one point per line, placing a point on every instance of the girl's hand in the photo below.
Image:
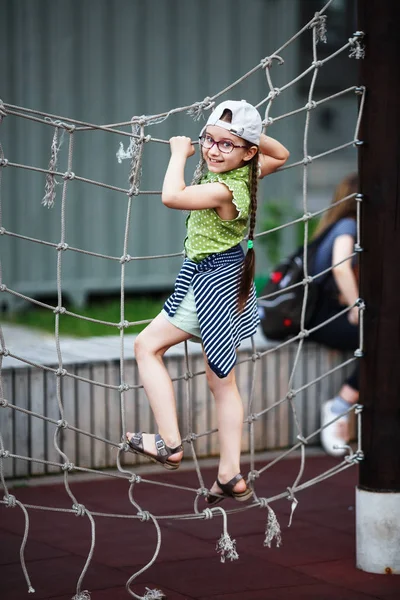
181	144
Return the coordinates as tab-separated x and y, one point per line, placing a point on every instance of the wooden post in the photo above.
378	494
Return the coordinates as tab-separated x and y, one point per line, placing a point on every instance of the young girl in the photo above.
214	298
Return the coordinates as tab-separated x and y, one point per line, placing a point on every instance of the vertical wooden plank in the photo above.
53	412
69	399
83	395
37	425
7	416
113	411
283	411
99	417
133	410
199	408
22	441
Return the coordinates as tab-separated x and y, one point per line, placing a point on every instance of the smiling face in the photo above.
219	162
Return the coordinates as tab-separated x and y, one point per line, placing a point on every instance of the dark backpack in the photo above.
280	314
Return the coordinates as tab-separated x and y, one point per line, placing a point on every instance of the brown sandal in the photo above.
163	451
227	491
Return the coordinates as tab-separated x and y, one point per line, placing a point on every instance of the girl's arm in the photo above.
344	275
175	192
272	155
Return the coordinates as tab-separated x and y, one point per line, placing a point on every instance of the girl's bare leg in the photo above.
150	347
230	426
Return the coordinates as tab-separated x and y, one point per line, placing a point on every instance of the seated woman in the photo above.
338	289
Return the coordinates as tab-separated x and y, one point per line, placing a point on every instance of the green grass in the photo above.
136	309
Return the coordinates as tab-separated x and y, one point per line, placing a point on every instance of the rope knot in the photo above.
273	93
3	401
62	423
192	437
125	258
144	515
208	513
303	334
79	510
358	409
256	356
263	502
196	111
203	492
4	453
62	246
253	475
317	64
124	387
69	175
302	439
3	230
133	191
295	502
319	22
268	121
123	324
68	466
10	500
188	375
4	352
358	353
311	105
135	479
252	417
124	446
359	90
358	50
360	303
59	310
3	162
60	372
307	160
266	62
291	394
307	280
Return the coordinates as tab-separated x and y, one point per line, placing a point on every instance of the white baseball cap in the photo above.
246	120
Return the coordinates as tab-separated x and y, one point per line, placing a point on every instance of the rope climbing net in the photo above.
139	140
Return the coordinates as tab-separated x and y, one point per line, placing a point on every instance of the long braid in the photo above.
248	269
199	171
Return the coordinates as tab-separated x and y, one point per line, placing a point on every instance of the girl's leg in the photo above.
150	347
230	425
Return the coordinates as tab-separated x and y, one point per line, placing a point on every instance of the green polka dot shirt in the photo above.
207	233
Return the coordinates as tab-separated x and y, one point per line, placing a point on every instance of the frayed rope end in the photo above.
273	530
82	596
153	595
227	548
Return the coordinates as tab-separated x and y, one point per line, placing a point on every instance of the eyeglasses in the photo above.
224	146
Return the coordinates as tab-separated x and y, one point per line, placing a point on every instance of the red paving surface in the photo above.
315	562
